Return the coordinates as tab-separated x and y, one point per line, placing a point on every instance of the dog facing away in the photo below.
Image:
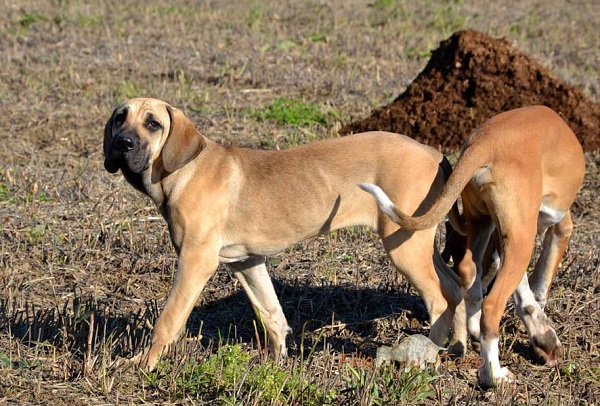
518	175
235	205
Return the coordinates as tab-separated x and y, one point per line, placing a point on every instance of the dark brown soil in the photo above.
470	78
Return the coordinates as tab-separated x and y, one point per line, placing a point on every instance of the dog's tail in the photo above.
456	220
469	162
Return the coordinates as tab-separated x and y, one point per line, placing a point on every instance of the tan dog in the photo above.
234	205
519	174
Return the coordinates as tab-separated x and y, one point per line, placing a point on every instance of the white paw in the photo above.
490	379
504	375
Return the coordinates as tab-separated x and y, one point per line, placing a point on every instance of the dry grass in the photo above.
86	263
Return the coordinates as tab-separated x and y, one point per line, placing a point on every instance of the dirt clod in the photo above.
470	78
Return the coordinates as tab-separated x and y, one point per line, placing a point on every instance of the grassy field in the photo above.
86	262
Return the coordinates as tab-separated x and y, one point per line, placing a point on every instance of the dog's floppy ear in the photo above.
183	143
109	164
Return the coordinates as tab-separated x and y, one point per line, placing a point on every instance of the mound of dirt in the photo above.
470	78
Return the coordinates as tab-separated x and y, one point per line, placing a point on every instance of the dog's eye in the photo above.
120	119
153	125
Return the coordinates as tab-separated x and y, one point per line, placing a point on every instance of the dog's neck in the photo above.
147	184
135	179
164	188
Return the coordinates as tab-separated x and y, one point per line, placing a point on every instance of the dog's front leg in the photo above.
255	280
196	264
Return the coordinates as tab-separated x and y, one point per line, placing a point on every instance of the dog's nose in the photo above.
124	143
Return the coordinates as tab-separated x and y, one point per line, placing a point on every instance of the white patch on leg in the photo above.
383	201
524	298
473	298
540	297
528	309
547	217
495	261
474	322
492	373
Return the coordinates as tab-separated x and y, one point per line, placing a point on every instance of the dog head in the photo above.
142	132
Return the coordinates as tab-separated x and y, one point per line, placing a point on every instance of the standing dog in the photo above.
234	206
518	173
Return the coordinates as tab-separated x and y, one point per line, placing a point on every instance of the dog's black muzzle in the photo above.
124	143
126	151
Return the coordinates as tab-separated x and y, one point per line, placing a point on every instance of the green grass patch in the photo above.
28	19
411	386
290	112
35	234
317	38
7	362
218	375
88	20
173	10
385	5
448	19
4	195
255	15
4	360
231	376
286	44
390	384
418	53
126	90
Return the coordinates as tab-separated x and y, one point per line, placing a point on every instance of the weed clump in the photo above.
231	375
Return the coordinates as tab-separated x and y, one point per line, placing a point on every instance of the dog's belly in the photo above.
259	241
238	253
260	245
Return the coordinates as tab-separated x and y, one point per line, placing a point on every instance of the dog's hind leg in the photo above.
530	302
253	276
480	229
545	342
554	245
517	228
451	287
412	254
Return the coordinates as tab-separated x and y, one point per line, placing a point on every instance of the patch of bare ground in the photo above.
86	263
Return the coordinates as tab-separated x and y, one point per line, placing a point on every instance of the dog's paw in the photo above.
489	378
141	360
122	363
547	347
504	376
457	350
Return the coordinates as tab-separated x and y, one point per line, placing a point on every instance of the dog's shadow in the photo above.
345	315
345	318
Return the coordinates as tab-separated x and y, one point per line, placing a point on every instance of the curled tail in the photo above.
445	203
386	205
456	219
